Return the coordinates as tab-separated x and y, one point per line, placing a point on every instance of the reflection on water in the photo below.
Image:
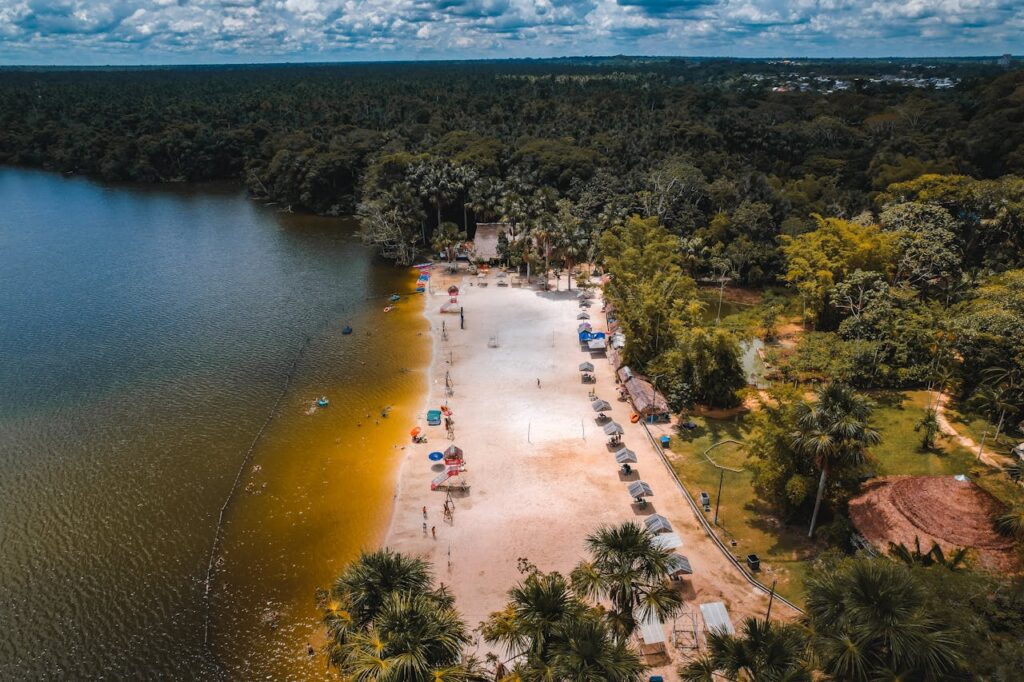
146	333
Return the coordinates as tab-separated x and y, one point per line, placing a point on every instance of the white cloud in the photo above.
197	30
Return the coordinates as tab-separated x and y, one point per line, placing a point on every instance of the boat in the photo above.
322	401
394	297
346	330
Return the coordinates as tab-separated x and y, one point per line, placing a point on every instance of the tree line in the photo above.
908	616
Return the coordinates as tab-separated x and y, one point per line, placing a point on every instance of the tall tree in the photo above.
834	430
629	569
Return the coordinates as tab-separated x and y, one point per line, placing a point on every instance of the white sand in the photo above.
540	472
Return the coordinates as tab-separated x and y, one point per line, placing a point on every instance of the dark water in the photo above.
144	336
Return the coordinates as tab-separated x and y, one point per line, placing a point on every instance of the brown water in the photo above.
144	336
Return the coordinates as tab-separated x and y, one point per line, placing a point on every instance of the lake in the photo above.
146	334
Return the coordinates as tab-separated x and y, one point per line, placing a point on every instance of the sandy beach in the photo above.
540	472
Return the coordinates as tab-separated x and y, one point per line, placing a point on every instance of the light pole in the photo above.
718	501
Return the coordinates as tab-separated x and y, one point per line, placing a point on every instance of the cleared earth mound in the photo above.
938	509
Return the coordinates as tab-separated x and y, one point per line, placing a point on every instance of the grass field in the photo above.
785	551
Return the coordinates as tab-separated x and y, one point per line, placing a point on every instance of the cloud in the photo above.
167	31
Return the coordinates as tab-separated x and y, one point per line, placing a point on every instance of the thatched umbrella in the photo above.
586	367
639	489
583	316
656	523
613	429
625	456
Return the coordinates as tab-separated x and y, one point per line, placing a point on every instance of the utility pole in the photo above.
771	598
718	501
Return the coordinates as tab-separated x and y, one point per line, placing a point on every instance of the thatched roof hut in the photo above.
485	241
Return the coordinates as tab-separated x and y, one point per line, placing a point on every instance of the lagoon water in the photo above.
145	334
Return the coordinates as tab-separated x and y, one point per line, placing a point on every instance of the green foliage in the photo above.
702	365
386	622
816	261
628	569
552	634
871	619
763	650
933	557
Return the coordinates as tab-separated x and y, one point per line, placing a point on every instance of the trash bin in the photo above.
753	562
656	678
665	440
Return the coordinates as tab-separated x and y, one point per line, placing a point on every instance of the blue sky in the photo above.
89	32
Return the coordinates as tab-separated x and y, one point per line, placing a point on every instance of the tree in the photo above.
647	284
387	623
630	570
447	239
438	181
552	634
704	360
816	261
389	222
763	651
570	238
928	427
933	557
835	432
870	620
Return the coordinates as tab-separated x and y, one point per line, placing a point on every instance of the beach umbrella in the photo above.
435	456
625	456
584	303
679	565
453	290
656	523
613	429
584	294
640	489
415	431
668	541
601	405
586	367
453	452
583	316
583	327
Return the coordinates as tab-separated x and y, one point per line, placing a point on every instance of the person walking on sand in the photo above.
433	531
424	513
538	383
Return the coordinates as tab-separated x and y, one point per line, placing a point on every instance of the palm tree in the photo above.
447	238
412	638
553	635
869	621
933	557
437	181
833	431
1011	522
366	582
763	651
929	428
537	608
588	652
630	570
387	623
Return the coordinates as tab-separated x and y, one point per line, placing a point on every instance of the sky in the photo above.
97	32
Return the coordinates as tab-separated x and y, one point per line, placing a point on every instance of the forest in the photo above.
872	210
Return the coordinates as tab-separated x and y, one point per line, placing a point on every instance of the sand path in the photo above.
987	456
540	472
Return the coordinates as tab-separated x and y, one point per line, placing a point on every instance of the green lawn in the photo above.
976	426
741	518
785	551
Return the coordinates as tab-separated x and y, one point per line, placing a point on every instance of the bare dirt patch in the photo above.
938	509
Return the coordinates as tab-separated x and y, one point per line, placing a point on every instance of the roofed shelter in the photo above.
648	403
485	241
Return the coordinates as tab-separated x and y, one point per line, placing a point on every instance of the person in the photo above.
424	528
424	512
433	531
310	651
538	383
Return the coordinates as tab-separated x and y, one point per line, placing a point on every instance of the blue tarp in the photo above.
434	417
590	336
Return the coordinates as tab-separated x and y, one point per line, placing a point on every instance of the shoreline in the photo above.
541	476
